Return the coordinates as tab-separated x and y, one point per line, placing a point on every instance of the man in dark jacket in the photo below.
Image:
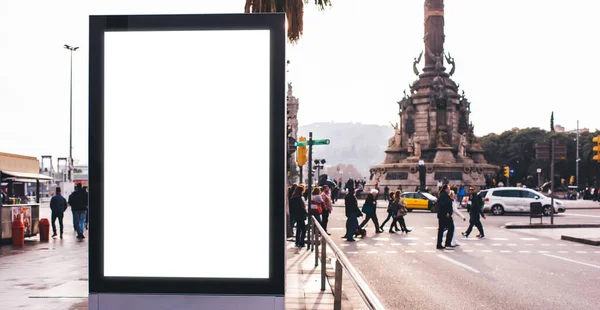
78	200
475	211
352	214
58	206
444	215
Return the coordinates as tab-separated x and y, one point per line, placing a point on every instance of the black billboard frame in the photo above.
275	284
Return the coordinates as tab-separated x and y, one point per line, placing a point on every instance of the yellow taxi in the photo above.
419	201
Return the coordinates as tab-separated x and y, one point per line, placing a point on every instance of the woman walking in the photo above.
391	212
455	214
298	213
369	209
316	204
402	211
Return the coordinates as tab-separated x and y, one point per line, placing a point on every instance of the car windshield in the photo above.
429	196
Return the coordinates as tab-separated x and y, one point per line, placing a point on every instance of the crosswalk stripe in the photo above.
395	244
352	252
563	251
498	239
486	251
524	251
429	251
381	239
496	244
391	252
581	252
542	252
371	252
505	251
379	244
529	239
468	251
410	251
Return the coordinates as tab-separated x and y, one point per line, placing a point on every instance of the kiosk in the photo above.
199	99
17	174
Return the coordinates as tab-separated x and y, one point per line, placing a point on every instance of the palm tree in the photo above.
293	9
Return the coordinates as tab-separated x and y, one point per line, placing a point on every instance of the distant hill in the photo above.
351	143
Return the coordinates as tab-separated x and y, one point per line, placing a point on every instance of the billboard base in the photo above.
183	302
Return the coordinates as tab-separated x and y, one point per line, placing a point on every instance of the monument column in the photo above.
434	32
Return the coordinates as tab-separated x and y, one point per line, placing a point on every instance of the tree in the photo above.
293	9
552	122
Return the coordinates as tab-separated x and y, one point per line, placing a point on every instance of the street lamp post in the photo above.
422	176
577	159
71	49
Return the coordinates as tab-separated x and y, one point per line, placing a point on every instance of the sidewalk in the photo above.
54	276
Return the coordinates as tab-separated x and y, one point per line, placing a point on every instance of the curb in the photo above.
525	226
595	242
583	208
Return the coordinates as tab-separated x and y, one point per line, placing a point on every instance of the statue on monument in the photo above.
411	146
416	62
450	60
417	145
438	60
441	138
462	145
396	141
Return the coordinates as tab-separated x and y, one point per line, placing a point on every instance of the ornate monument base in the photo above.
444	156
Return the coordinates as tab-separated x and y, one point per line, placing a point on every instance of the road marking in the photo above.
512	244
505	251
352	252
577	244
458	263
413	243
391	252
479	244
429	243
429	251
410	238
529	244
344	244
430	227
496	244
581	252
545	244
542	252
381	239
498	239
561	244
410	251
563	251
529	239
486	251
524	251
361	244
371	252
468	251
573	261
337	228
379	244
394	244
584	215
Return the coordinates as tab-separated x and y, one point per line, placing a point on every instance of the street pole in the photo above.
552	183
577	160
539	172
301	181
309	235
70	175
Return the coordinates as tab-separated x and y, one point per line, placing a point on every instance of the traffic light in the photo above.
507	171
597	148
572	180
301	156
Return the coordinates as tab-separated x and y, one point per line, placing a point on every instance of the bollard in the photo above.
44	226
18	232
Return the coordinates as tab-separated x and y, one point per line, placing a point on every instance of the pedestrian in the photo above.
386	193
456	213
352	214
299	214
78	200
475	211
391	212
58	206
370	210
444	215
327	207
316	204
402	212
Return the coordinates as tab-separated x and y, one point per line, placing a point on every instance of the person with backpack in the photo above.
78	200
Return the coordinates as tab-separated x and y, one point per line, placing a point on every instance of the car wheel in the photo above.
409	210
433	209
497	210
547	210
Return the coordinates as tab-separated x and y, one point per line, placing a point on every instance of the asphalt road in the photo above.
510	269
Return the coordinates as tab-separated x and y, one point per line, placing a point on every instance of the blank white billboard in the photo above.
186	154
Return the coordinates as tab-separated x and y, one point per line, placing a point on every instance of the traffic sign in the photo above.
314	142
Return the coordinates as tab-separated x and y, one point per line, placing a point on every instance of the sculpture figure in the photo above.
438	60
397	139
450	60
417	145
441	138
411	149
416	62
462	145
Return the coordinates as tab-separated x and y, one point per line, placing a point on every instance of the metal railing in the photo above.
342	263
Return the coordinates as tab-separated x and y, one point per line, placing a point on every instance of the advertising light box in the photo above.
187	154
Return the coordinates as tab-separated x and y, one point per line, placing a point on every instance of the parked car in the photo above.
419	201
517	199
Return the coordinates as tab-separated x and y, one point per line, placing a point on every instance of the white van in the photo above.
517	199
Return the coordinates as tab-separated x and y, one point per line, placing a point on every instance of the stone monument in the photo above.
434	122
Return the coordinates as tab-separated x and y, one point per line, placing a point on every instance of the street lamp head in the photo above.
421	162
323	161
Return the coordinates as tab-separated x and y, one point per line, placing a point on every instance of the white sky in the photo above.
516	60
